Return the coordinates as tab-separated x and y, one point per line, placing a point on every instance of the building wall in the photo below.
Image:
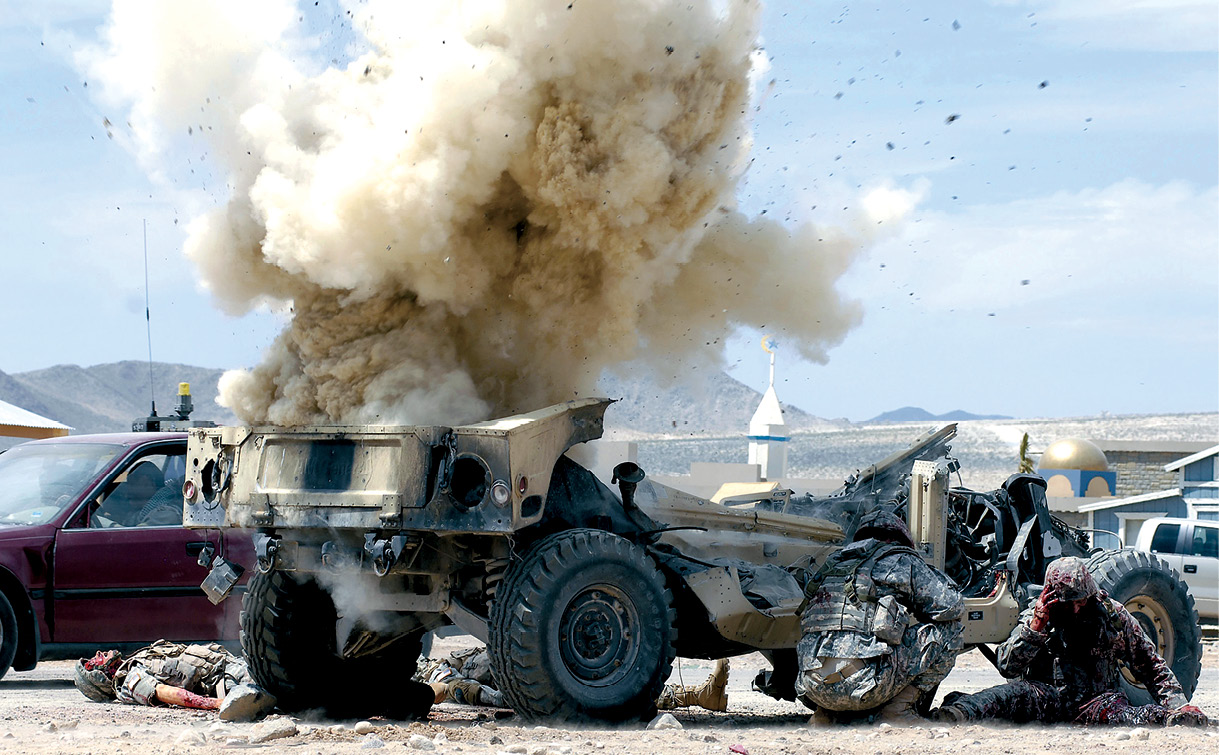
1202	470
1141	472
1119	519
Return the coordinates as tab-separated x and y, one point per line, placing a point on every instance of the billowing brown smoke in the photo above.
486	210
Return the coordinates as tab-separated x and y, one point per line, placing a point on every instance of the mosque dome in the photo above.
1074	453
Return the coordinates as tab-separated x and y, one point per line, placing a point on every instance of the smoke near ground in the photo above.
491	203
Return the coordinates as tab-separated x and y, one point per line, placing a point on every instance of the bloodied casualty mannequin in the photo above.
1065	657
208	677
880	628
164	673
464	677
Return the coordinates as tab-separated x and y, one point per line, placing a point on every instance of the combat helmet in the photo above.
1068	579
883	525
95	677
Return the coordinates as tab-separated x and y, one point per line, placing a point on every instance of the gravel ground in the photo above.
41	712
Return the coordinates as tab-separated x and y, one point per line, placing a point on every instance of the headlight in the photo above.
500	493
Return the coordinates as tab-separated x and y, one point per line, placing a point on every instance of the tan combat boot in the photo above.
949	714
901	709
711	694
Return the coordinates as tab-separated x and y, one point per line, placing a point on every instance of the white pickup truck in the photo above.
1191	546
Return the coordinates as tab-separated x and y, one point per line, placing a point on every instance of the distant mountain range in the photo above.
719	406
915	414
107	397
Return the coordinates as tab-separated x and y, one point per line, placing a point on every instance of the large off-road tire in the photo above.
582	628
1154	594
288	637
8	635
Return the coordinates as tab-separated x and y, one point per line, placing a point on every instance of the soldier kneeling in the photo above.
1067	651
881	628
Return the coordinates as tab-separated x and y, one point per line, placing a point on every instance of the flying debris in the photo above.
566	166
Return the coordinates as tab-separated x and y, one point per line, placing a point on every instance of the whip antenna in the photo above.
148	322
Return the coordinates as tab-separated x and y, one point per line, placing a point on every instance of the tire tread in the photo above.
1135	571
514	618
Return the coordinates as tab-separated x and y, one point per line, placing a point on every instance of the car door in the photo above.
1200	566
123	581
1165	542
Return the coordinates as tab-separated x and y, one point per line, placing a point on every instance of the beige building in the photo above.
16	422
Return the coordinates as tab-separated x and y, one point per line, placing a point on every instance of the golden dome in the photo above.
1074	453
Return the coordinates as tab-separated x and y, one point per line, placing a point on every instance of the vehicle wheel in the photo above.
582	628
288	637
8	635
1154	594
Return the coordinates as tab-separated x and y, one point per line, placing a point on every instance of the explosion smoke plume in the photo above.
483	211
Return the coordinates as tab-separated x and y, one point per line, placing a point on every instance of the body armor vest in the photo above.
841	596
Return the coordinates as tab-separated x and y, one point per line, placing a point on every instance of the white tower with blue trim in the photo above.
767	430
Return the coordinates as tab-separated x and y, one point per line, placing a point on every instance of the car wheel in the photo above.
288	637
1154	594
8	635
582	628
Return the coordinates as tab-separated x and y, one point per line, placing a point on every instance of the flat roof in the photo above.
15	416
1153	446
1068	503
1114	503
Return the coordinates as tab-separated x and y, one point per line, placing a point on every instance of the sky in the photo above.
1060	256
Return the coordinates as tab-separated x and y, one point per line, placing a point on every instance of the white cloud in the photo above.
1128	241
888	204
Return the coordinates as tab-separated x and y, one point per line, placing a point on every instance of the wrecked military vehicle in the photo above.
368	537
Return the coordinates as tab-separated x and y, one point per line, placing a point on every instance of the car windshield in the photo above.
38	480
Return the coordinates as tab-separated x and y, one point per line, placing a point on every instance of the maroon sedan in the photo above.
93	553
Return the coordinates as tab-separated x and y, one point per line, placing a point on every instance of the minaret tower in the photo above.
767	431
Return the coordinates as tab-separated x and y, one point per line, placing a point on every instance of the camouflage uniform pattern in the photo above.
466	675
208	670
1069	660
877	621
1070	673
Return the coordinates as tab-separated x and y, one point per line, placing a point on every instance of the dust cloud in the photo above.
488	206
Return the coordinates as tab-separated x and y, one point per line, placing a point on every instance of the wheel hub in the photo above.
598	635
1154	620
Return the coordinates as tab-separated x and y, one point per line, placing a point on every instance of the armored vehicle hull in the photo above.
368	537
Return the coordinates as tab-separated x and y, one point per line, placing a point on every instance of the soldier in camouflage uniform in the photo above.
1067	650
881	628
164	673
463	677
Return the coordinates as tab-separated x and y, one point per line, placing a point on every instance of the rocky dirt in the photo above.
41	712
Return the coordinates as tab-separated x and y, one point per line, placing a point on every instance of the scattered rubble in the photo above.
665	721
757	724
420	742
245	702
273	728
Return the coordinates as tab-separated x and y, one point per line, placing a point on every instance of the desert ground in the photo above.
41	712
